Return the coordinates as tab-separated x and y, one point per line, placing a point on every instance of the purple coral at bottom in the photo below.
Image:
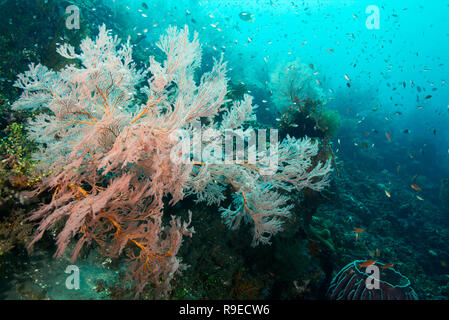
350	283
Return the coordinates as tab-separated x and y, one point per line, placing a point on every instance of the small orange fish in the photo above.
388	136
358	230
387	266
367	263
415	187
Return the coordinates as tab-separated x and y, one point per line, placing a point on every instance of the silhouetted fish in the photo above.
245	16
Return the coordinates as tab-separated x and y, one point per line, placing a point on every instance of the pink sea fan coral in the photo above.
108	158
